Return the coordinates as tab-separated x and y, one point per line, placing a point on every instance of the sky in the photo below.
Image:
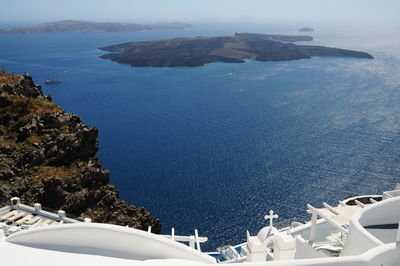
362	11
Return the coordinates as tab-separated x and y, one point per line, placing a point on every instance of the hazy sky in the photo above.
186	10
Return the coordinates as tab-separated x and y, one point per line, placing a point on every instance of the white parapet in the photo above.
284	246
38	207
87	220
15	201
61	214
107	240
359	240
305	251
257	250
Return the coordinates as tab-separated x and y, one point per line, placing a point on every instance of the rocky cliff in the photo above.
48	156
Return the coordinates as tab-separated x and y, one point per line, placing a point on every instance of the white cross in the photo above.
271	217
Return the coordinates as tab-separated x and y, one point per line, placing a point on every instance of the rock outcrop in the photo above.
48	156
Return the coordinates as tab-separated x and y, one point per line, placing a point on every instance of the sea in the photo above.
214	148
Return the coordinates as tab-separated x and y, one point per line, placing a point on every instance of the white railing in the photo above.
193	240
37	209
391	194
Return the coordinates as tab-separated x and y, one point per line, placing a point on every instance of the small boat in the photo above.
53	81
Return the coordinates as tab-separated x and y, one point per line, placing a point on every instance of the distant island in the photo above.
199	51
306	29
87	26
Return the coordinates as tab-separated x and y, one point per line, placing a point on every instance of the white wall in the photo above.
107	240
359	240
386	255
384	212
305	251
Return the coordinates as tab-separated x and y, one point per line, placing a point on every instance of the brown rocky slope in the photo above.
48	156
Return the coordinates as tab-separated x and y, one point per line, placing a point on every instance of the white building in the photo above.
360	231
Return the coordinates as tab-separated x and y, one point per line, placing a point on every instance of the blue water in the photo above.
203	149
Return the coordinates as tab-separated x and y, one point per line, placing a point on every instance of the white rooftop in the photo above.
358	232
